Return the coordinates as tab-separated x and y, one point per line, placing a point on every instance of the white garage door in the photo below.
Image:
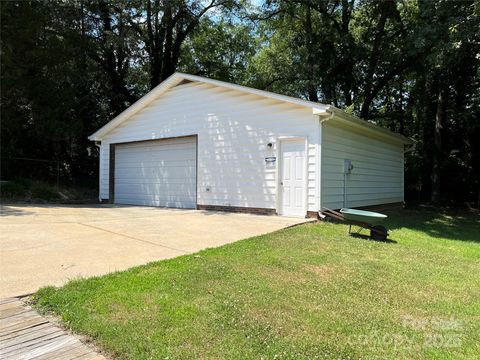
156	173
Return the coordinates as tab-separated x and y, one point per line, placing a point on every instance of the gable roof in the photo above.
177	78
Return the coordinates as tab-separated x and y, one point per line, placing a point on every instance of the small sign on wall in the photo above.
270	160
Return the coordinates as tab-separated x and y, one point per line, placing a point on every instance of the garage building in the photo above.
194	142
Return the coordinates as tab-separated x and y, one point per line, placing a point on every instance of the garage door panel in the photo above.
156	173
160	153
146	157
145	181
156	163
156	189
170	155
166	143
159	197
160	203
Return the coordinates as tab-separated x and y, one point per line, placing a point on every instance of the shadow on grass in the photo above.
447	223
367	237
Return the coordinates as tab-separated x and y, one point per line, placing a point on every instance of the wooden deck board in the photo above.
25	331
28	345
8	300
30	353
29	337
5	314
25	334
10	305
18	318
61	353
23	325
75	353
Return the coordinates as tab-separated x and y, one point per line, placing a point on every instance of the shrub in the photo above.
25	190
42	191
13	189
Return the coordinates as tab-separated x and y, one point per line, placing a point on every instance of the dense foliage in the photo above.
412	66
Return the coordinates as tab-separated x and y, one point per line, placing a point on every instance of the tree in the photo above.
164	26
412	66
358	47
112	42
221	49
450	34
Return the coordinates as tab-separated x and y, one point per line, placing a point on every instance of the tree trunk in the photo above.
440	118
373	61
112	63
478	200
152	46
312	88
168	68
349	62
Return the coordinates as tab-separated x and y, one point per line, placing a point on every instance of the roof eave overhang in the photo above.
176	79
341	116
327	112
137	106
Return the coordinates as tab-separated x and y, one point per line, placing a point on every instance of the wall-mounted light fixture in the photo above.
270	159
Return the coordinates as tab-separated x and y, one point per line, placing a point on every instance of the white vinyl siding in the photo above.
377	175
156	173
233	131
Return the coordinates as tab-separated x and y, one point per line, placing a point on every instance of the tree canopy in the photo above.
412	66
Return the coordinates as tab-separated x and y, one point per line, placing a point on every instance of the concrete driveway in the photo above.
49	245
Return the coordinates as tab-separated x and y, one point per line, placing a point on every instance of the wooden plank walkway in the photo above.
25	334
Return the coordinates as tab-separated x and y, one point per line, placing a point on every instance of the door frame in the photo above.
111	161
280	140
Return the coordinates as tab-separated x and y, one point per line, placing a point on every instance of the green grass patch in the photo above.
306	292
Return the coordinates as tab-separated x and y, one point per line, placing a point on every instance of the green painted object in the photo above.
363	216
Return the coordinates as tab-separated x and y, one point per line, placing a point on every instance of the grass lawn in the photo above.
306	292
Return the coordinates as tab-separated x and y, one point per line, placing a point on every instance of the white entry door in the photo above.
292	178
